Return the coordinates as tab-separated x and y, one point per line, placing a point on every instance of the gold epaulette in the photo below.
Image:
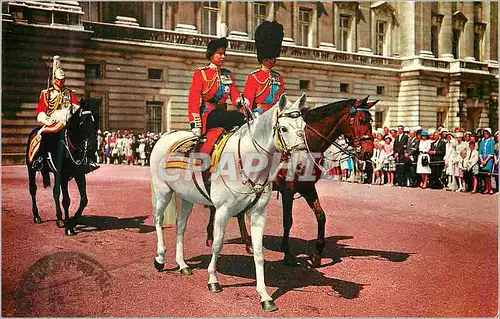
257	70
203	67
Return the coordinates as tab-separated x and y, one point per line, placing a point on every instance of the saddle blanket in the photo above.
36	139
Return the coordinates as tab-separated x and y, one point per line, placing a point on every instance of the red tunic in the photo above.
51	100
263	89
210	89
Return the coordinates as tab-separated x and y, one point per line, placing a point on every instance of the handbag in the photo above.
425	161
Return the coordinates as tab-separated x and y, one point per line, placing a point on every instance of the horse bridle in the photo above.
354	124
66	142
280	146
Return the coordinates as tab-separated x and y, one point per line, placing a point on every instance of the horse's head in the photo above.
350	118
83	124
357	128
289	124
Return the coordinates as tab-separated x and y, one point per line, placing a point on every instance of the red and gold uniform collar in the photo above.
214	67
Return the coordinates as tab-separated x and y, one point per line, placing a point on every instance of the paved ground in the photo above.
390	252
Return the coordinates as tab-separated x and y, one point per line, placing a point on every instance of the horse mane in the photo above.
319	113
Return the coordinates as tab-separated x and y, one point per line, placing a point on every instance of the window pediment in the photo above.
459	20
383	8
348	6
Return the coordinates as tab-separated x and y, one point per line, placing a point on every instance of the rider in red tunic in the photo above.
264	86
211	86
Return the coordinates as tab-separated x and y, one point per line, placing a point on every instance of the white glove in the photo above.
256	114
196	131
44	119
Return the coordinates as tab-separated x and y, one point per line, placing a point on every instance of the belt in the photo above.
222	106
264	107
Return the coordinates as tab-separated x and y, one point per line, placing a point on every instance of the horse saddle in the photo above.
211	144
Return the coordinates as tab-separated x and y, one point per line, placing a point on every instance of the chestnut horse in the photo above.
324	124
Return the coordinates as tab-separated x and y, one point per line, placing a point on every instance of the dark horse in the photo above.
66	156
324	125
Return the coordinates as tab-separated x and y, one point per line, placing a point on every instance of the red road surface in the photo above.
389	252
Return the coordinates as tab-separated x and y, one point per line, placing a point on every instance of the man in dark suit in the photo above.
437	152
399	149
410	159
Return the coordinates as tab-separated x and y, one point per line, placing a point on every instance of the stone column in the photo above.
467	39
325	28
446	31
425	29
493	22
186	17
365	28
487	31
237	19
284	16
222	26
407	29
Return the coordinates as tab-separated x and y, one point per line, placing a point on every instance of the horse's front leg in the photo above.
181	223
287	201
311	196
258	223
244	233
81	183
33	188
221	217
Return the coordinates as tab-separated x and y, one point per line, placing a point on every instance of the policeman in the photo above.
211	86
264	86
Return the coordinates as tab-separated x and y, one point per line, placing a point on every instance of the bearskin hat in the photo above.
215	45
268	38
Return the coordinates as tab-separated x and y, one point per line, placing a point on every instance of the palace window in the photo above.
93	71
158	14
344	32
380	38
434	40
259	13
379	119
210	11
380	90
344	87
304	84
455	43
304	26
440	118
154	110
155	74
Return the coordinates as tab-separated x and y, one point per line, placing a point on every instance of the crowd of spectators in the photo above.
456	160
125	148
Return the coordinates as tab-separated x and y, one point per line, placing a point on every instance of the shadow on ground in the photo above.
88	223
287	278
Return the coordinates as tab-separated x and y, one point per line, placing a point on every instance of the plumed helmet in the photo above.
57	71
215	45
268	38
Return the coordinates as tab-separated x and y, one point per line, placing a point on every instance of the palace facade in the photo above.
428	63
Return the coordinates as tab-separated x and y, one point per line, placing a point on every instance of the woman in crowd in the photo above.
389	163
471	164
423	162
486	159
495	163
450	162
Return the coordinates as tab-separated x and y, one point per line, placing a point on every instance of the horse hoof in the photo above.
249	249
215	287
69	232
315	260
37	220
268	306
60	223
186	271
209	242
290	260
158	266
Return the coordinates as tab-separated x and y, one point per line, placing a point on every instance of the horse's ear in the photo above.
302	102
365	100
282	102
370	104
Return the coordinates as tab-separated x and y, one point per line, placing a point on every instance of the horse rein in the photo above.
351	114
67	142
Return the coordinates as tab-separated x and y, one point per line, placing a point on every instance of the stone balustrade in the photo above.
117	32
